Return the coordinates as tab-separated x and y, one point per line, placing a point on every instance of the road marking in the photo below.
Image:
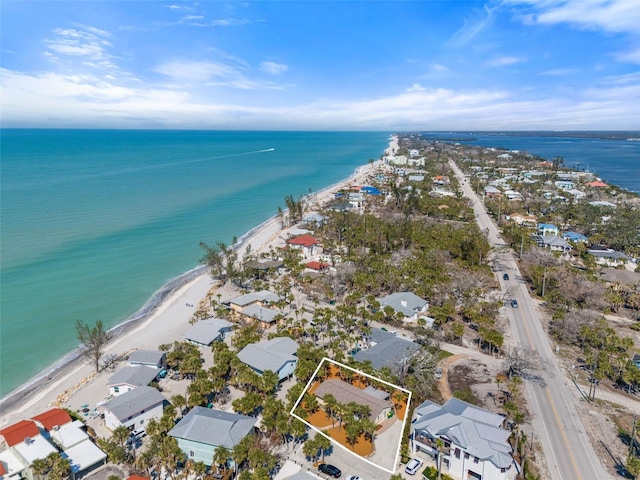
562	432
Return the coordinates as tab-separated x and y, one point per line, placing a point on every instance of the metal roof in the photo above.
475	429
133	402
260	313
389	350
407	303
207	331
271	355
213	427
260	296
136	376
146	357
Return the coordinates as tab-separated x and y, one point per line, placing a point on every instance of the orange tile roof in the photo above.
597	184
16	433
137	477
317	265
304	240
53	417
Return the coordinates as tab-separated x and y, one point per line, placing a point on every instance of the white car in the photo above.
354	477
413	466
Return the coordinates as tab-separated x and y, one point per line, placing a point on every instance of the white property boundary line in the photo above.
333	440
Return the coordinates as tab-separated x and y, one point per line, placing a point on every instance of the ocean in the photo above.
93	222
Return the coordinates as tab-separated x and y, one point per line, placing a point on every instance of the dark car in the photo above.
330	470
514	303
505	276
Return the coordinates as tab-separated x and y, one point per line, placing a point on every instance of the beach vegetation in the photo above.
53	467
93	341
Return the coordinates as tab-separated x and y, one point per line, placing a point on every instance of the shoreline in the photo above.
71	372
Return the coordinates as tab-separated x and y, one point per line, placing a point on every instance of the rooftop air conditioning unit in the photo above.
56	428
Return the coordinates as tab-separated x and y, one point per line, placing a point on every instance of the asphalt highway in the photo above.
566	447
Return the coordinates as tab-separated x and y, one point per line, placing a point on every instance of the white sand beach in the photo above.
66	386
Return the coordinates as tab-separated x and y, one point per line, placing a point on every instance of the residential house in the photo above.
266	316
128	378
552	242
205	332
577	194
602	203
491	191
396	160
621	276
317	266
314	220
513	195
597	184
521	219
84	455
414	177
341	207
386	350
12	466
25	444
406	303
564	185
344	393
277	355
608	256
52	418
133	409
261	267
203	430
475	444
260	298
307	244
548	229
636	360
574	237
155	359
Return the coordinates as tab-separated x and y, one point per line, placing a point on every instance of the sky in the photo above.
322	65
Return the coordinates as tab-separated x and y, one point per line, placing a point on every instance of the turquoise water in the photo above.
94	222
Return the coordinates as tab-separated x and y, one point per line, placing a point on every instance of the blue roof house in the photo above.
575	237
547	229
203	430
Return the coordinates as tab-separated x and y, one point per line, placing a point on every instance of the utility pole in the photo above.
522	245
633	437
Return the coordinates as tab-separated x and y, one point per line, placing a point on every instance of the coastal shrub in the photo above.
431	473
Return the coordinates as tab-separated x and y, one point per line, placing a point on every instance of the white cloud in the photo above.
559	72
484	19
630	56
607	15
86	42
439	68
273	68
503	61
84	100
230	22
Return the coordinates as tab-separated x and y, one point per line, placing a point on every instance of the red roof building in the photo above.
304	241
137	477
52	418
597	183
317	265
16	433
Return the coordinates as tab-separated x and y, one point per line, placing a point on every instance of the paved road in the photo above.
566	447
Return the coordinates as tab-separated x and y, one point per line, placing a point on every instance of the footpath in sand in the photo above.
165	325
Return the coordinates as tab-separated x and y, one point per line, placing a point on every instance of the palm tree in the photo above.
221	456
179	402
330	404
440	447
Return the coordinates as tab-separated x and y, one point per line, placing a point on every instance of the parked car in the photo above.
413	466
330	470
514	303
354	477
505	276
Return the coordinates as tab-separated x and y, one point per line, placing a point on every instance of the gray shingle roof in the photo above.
389	350
207	331
133	402
213	427
146	357
474	429
136	376
270	355
406	303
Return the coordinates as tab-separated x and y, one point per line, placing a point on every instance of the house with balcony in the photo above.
306	244
476	447
128	378
552	242
547	229
261	298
